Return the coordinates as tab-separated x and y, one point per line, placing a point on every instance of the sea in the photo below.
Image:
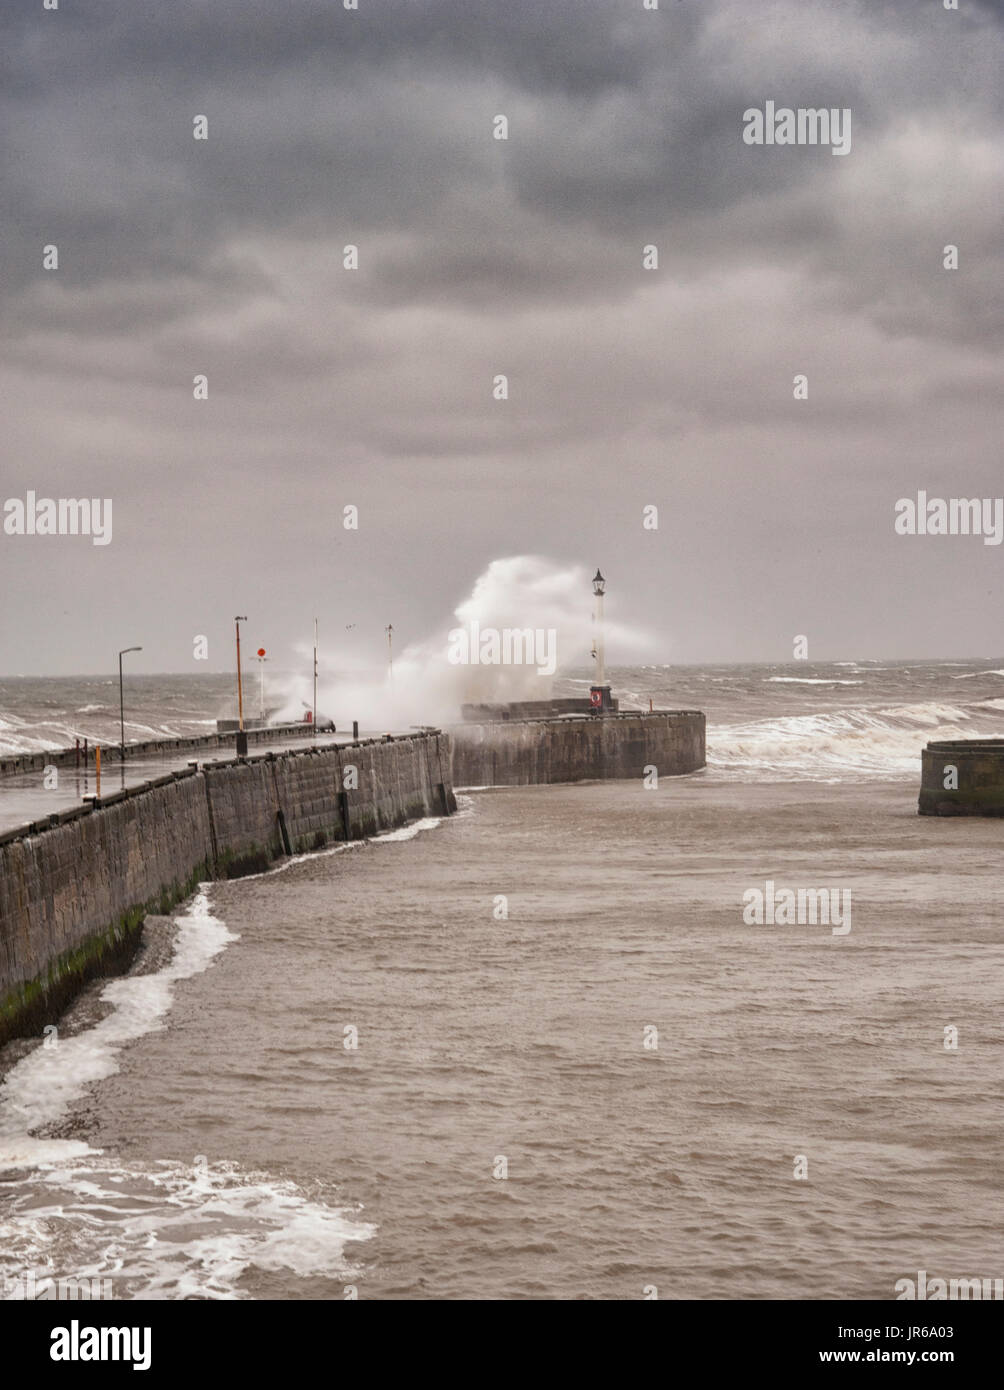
536	1050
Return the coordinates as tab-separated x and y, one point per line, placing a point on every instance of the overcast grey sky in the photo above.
478	256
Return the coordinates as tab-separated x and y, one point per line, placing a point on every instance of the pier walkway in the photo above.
25	798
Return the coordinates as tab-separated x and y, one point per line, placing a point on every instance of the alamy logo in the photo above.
952	516
935	1290
805	126
59	516
76	1343
30	1287
788	907
512	646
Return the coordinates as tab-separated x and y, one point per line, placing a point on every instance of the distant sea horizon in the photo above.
797	719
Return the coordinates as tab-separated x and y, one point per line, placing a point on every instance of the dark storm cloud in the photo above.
340	125
343	125
480	256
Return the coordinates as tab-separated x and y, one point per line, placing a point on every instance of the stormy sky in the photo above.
477	257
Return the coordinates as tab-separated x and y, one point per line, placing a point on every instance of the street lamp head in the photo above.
599	584
129	649
240	619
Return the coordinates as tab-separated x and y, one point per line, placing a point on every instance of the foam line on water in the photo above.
160	1230
41	1087
408	832
859	742
171	1230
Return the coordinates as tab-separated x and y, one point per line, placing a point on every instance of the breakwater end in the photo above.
962	777
525	752
74	888
530	709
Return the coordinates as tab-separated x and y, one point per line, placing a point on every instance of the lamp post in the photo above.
390	651
122	653
599	589
313	717
242	743
599	693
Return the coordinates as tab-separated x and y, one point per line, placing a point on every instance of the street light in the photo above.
599	589
122	653
240	688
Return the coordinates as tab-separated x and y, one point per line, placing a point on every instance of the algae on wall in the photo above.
73	895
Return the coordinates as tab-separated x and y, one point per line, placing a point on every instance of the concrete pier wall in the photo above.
529	709
17	764
525	752
74	889
974	772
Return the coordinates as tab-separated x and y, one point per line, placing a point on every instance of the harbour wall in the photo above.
530	709
525	752
976	767
16	764
74	889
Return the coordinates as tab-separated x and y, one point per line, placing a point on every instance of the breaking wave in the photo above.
163	1230
850	744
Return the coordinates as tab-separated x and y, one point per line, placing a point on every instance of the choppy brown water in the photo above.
523	1038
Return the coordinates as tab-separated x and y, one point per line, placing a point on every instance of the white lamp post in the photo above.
599	693
599	589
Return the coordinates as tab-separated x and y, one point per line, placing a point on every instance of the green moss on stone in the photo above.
30	1005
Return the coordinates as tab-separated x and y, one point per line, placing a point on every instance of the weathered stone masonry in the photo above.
74	889
974	766
526	752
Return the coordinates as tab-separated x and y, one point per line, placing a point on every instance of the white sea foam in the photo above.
40	1088
167	1230
811	680
13	741
408	832
849	743
172	1230
404	832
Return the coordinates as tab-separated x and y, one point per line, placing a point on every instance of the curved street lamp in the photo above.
122	653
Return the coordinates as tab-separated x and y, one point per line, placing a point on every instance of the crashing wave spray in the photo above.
518	593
